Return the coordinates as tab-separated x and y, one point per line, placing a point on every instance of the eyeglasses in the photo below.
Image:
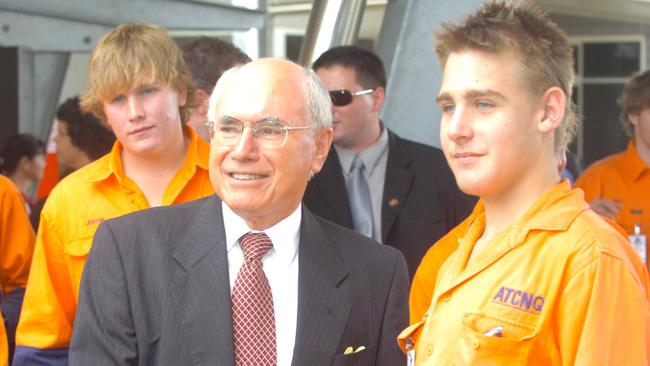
343	97
270	133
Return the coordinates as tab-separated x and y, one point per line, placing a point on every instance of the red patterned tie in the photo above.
252	306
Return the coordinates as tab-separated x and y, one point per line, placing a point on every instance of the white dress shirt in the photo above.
281	268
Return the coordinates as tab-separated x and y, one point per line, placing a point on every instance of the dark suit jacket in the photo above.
155	291
421	200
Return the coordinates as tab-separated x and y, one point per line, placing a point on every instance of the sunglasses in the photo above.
343	97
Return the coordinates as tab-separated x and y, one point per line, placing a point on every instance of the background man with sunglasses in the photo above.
412	193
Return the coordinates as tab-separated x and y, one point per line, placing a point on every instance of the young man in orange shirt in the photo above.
139	85
536	271
618	186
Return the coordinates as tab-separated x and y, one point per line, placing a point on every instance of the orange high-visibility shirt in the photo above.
4	346
427	272
559	286
16	247
76	206
624	178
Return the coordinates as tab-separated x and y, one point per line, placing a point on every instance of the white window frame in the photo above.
280	39
581	80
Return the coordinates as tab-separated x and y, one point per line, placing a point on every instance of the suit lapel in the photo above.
202	289
323	309
397	184
336	195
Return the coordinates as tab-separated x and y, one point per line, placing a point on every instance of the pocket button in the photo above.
429	350
446	298
476	344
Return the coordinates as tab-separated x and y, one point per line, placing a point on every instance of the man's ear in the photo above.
633	118
204	101
553	107
323	139
379	95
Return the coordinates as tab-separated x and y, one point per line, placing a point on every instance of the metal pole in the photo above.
331	23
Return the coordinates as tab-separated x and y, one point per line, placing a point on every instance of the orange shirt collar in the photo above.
111	165
555	211
632	162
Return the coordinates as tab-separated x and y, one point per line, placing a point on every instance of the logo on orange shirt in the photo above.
522	300
95	221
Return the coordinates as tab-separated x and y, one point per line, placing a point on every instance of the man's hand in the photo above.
607	208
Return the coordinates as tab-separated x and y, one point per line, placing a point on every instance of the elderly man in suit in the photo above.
249	276
398	192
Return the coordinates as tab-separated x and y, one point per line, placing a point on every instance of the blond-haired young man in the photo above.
139	86
535	275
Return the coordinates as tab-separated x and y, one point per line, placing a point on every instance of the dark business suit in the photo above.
155	291
420	204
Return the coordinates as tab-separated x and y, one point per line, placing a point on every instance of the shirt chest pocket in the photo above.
493	340
76	251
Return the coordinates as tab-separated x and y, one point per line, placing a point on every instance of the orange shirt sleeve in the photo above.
592	331
425	277
16	248
49	305
4	351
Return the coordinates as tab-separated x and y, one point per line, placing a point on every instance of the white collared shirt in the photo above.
281	268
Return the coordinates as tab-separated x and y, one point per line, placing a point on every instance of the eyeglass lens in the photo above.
270	133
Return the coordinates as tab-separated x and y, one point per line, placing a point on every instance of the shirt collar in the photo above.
370	156
553	211
285	235
632	162
198	152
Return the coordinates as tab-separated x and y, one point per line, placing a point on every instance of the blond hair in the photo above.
136	53
545	55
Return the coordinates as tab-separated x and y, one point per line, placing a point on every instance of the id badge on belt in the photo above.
638	241
410	352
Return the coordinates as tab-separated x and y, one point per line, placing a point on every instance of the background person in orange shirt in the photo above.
535	272
16	249
618	186
140	87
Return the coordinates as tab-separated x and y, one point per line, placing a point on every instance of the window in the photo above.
603	65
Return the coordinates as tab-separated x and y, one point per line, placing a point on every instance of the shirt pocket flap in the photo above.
486	338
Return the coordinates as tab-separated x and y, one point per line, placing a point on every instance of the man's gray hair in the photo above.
319	104
319	101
